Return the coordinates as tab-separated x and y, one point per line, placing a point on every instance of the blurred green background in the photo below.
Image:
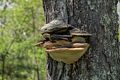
20	59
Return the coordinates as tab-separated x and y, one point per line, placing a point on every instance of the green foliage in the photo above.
20	59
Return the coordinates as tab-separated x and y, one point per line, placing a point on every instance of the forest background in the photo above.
20	59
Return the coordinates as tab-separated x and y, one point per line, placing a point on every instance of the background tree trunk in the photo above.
98	17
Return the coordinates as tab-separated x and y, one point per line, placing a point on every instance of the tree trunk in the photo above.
98	17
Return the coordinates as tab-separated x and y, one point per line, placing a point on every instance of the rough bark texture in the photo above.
98	17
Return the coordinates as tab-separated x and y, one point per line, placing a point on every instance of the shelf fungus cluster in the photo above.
64	42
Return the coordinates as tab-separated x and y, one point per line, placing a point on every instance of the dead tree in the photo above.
98	17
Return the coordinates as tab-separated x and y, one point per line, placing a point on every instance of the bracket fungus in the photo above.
67	48
67	55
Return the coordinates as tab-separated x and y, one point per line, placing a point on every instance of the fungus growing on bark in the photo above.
67	48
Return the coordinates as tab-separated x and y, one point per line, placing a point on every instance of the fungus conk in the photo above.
55	26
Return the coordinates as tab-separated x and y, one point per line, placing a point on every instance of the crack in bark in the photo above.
109	66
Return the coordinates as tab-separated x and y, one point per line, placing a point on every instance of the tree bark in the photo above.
98	17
